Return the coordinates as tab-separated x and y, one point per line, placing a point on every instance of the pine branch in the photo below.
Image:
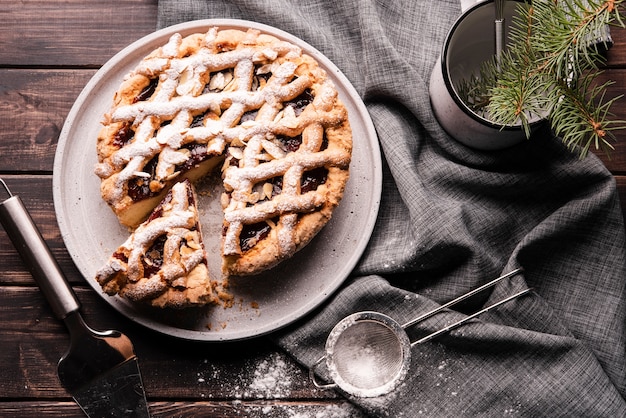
549	71
582	116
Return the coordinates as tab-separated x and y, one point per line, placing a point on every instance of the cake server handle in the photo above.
36	255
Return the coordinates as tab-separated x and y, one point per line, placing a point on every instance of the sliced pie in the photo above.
163	262
253	104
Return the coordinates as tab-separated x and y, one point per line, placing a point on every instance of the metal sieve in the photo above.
368	353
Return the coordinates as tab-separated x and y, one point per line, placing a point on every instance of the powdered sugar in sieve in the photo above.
367	354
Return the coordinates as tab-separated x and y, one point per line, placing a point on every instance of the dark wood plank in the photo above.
201	409
71	33
36	193
616	56
616	161
78	33
33	108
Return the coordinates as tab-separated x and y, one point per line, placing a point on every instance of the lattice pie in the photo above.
247	102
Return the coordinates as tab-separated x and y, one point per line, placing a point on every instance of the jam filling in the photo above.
139	187
234	162
158	211
290	144
148	91
198	121
277	185
153	259
249	115
198	154
262	76
123	136
191	199
120	256
301	102
324	142
311	180
252	234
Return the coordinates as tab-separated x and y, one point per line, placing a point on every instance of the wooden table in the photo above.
48	52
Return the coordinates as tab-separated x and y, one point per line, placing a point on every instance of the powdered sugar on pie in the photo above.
254	105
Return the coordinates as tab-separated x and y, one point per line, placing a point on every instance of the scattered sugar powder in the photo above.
330	411
344	410
271	378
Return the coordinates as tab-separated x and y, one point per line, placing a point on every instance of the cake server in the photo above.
100	369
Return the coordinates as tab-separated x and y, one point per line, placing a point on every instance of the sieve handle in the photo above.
472	316
314	378
462	297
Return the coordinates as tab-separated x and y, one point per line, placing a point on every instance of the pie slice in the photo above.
255	105
163	262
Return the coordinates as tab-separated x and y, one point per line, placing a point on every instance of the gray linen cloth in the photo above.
453	218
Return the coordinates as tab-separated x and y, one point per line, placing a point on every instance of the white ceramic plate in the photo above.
263	303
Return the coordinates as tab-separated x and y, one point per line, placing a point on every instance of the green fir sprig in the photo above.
550	70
